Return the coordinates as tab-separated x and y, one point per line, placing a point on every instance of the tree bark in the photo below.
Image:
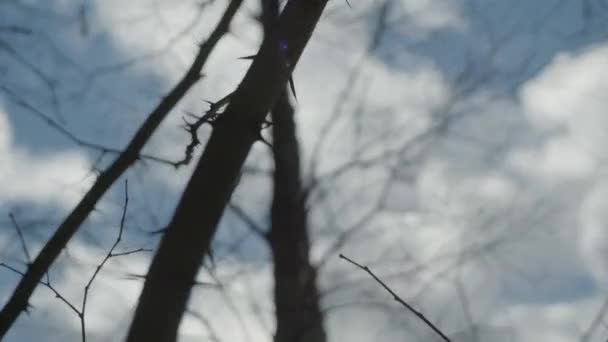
18	301
174	267
298	313
296	296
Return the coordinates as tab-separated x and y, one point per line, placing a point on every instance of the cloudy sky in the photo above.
457	148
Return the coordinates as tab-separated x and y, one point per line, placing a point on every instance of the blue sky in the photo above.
470	142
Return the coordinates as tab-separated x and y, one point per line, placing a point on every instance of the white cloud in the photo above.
566	321
565	102
570	91
430	15
55	179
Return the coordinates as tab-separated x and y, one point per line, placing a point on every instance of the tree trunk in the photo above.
298	313
18	301
174	267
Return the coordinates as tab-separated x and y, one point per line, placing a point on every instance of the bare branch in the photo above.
397	298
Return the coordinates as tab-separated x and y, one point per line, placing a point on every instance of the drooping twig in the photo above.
28	258
398	299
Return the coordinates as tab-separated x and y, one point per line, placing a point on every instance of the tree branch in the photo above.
20	297
166	291
397	298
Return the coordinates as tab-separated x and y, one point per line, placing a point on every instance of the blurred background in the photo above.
457	148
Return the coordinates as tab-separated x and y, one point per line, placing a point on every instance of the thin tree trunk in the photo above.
298	313
174	267
18	301
296	296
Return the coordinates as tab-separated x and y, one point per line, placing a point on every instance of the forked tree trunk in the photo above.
174	267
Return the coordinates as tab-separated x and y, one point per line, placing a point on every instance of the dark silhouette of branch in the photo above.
397	298
298	312
20	297
168	284
296	295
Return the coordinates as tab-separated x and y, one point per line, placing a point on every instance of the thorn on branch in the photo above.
292	86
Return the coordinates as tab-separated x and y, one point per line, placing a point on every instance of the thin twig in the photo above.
81	312
254	226
47	284
595	323
21	238
103	262
398	299
213	336
59	128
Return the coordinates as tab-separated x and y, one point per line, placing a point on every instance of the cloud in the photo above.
55	180
431	15
566	101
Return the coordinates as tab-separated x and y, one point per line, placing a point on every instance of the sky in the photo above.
457	147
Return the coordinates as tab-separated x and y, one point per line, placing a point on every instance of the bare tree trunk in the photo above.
18	302
298	313
174	268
